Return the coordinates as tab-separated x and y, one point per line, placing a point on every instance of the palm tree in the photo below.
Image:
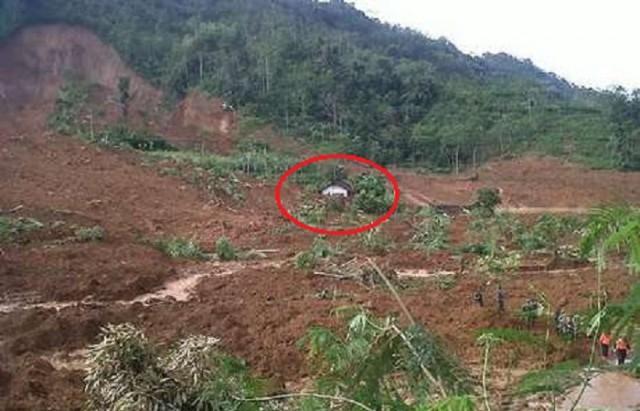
614	229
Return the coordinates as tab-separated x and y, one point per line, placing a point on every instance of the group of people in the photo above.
622	347
501	296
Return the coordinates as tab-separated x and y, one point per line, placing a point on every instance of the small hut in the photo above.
338	188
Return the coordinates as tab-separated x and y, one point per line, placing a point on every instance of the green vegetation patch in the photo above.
431	232
12	229
225	250
321	249
180	248
556	379
89	234
512	335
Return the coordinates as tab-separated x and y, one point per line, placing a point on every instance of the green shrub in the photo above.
488	200
11	229
181	248
375	241
556	379
225	250
500	261
320	249
306	260
432	231
122	137
70	100
88	234
547	232
371	195
313	214
358	363
512	335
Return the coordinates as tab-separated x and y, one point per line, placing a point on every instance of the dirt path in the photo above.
612	391
543	210
178	290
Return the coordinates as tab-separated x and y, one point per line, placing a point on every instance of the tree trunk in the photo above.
267	84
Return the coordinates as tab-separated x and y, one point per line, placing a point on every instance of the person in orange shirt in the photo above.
605	343
622	349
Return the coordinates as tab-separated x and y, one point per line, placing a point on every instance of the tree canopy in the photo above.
326	72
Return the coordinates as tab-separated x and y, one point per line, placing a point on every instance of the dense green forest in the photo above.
326	72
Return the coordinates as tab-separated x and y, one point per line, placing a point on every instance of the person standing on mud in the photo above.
478	298
622	349
501	296
605	343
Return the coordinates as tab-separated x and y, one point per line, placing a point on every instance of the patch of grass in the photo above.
375	241
477	248
89	234
446	282
488	200
69	102
11	229
180	248
512	335
313	214
556	379
371	194
321	249
121	136
547	232
500	261
432	231
225	250
306	260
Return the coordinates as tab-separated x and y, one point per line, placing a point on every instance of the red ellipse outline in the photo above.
337	156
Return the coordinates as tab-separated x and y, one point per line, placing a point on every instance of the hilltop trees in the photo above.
625	142
326	72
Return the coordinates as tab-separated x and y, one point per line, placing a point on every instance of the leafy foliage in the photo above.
546	233
89	234
371	195
12	229
379	365
555	379
71	98
615	228
625	141
327	72
512	335
488	200
225	250
375	241
313	214
121	136
176	247
432	231
321	249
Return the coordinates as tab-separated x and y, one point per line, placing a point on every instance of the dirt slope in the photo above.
532	181
36	60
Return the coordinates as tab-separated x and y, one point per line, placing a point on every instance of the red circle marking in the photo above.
338	156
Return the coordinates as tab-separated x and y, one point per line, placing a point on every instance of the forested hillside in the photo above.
326	72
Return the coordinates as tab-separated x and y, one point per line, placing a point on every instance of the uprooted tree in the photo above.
375	365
